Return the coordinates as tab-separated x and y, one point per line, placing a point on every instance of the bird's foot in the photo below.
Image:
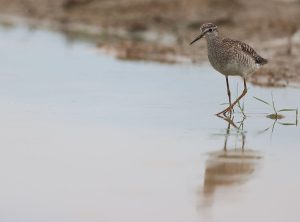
226	112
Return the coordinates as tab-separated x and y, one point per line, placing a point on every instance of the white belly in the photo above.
234	68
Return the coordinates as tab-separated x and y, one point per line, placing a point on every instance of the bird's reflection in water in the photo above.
232	165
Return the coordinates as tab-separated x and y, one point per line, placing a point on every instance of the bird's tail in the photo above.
261	61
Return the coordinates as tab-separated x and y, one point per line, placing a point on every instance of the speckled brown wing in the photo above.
246	49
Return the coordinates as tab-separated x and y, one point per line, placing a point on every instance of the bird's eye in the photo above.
210	30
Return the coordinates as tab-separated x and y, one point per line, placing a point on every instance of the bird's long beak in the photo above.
196	39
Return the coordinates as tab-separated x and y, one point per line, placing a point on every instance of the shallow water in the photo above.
86	137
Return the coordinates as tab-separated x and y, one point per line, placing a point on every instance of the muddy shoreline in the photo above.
161	30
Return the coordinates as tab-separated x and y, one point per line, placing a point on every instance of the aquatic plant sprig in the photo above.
277	114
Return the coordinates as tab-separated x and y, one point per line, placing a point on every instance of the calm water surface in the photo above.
85	137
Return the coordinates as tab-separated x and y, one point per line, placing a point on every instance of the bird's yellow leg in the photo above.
230	107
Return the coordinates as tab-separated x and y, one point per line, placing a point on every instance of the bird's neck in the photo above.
213	40
213	43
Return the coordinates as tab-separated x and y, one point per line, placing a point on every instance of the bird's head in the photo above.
207	30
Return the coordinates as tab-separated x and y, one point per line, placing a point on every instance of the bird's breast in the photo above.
227	63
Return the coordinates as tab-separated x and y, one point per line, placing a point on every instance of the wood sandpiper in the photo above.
230	58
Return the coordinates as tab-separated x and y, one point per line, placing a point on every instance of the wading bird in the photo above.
230	58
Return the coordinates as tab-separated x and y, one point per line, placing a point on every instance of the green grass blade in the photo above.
262	101
288	124
287	110
273	104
